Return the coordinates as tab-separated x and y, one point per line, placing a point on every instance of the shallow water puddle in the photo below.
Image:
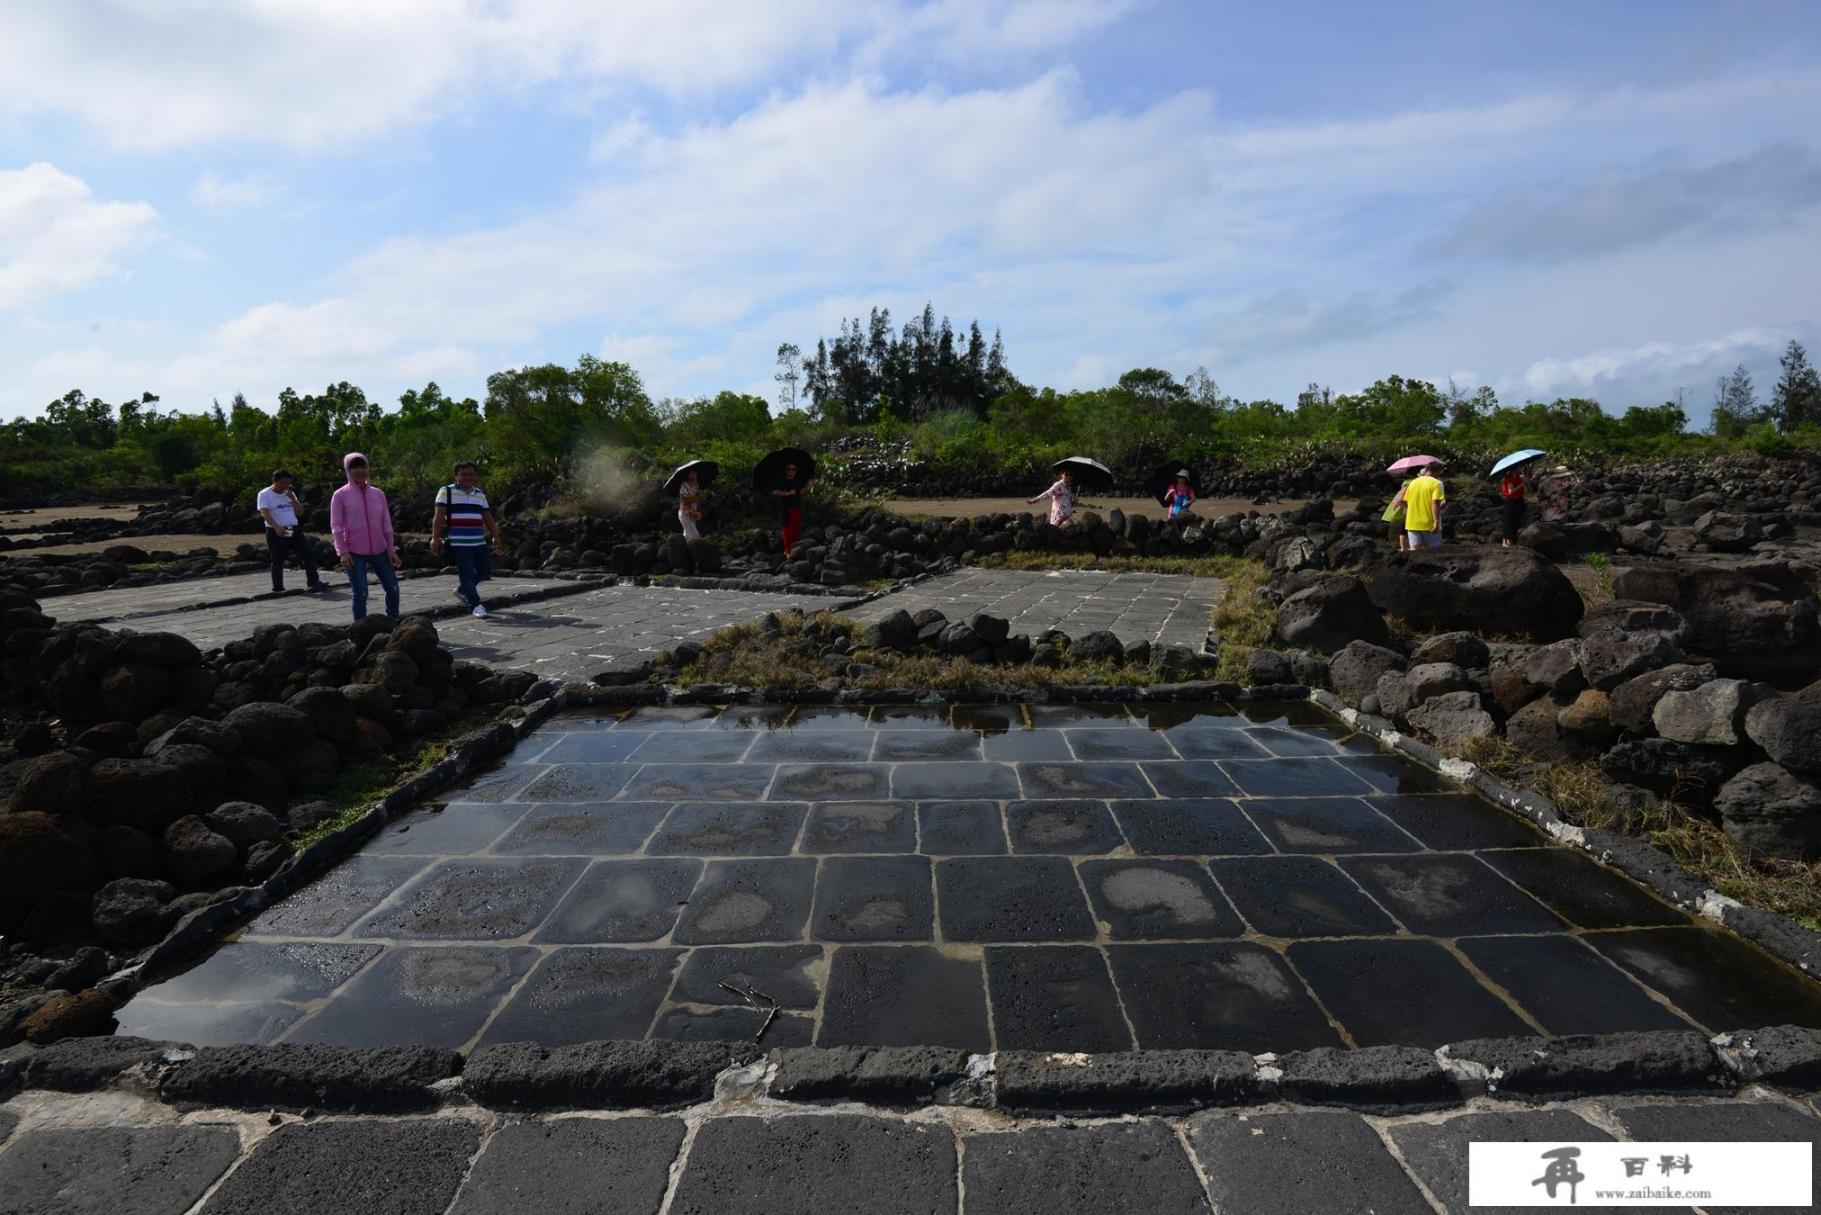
1054	877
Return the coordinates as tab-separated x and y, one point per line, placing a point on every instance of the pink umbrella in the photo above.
1414	462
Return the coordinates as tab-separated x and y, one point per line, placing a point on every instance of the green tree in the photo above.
1796	401
1735	404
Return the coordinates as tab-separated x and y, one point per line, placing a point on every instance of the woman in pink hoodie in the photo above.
361	523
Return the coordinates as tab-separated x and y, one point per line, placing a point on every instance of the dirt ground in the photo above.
1207	508
225	545
20	520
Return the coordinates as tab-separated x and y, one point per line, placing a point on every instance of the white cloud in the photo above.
55	237
219	193
1692	364
171	73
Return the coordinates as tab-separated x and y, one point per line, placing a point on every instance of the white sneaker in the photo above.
466	602
480	609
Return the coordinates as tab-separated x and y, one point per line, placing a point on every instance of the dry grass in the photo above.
1695	843
747	656
1242	621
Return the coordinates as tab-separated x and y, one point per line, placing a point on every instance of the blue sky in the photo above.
1609	199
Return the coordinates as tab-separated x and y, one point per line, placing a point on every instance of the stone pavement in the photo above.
1041	877
574	634
117	1153
1163	609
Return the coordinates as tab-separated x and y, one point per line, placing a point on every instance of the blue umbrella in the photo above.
1515	458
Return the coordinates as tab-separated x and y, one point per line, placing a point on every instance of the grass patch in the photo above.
362	784
1792	888
747	655
1242	621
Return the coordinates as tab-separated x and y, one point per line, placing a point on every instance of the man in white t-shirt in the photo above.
279	507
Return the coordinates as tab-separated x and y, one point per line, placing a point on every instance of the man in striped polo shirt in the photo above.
462	512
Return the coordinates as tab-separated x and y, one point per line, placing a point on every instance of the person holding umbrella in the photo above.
1062	494
1512	489
1424	496
690	485
785	475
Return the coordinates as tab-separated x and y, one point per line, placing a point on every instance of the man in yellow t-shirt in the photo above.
1423	499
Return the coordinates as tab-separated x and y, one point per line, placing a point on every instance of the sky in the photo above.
1618	198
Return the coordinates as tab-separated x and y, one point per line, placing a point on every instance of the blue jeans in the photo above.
381	565
473	563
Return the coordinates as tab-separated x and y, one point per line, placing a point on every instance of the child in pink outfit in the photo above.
1062	498
360	521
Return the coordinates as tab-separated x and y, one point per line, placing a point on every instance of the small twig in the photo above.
769	1018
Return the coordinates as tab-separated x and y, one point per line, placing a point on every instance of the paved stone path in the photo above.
1046	877
568	636
117	1153
174	605
577	635
1164	609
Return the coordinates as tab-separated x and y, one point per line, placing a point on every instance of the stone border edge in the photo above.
611	1075
1776	934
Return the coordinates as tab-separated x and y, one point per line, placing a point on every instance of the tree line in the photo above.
921	396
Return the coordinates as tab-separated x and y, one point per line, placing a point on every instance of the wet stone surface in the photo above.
1072	877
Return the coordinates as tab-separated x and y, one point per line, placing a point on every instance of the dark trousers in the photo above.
294	544
473	565
1514	517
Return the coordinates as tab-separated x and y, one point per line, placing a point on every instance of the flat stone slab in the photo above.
1054	877
440	996
623	901
1027	898
114	1170
755	1166
874	898
482	900
1437	1152
1158	899
585	994
1217	996
1318	1163
1299	896
622	1164
1054	997
1434	1000
756	900
903	995
1163	609
1135	1169
362	1164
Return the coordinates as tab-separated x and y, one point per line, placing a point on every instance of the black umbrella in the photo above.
769	474
1164	479
706	472
1090	475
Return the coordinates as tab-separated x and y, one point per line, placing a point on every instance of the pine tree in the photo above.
1796	402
